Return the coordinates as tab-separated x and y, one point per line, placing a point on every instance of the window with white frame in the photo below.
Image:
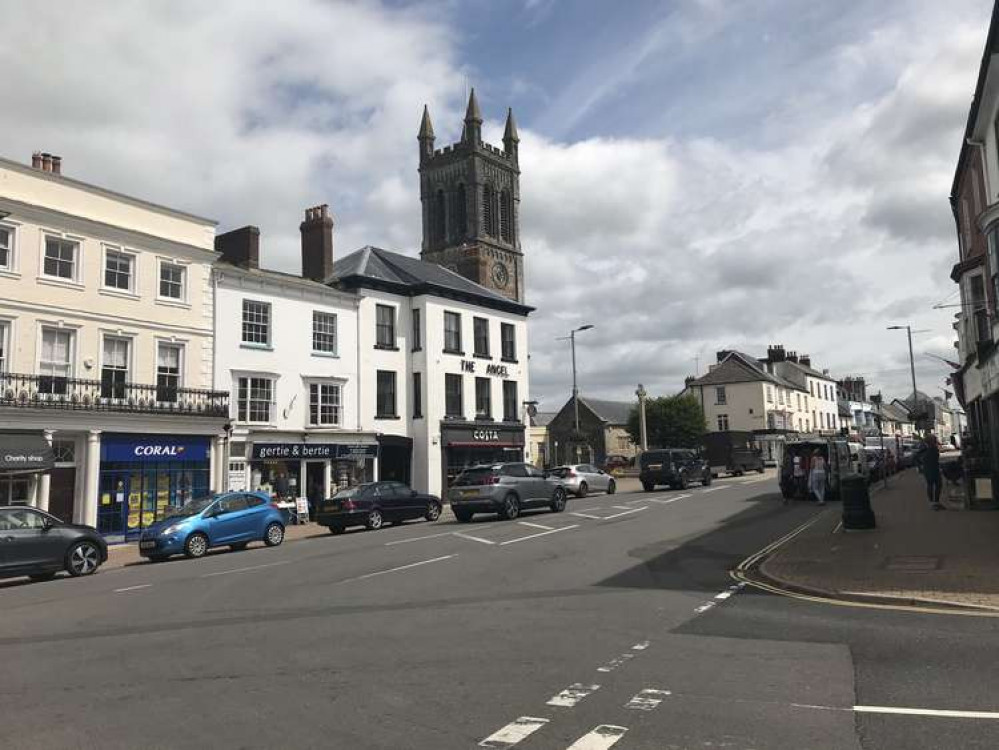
114	366
324	404
323	332
770	394
173	281
61	258
119	270
169	358
254	397
4	345
6	248
723	423
55	364
256	322
721	398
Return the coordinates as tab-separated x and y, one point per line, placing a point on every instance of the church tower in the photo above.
471	204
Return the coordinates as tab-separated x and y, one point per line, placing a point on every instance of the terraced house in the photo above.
107	416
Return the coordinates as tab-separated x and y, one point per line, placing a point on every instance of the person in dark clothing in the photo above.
315	496
929	464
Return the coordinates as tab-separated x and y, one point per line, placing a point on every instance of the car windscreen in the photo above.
476	475
351	492
192	507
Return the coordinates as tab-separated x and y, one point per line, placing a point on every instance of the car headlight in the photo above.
172	529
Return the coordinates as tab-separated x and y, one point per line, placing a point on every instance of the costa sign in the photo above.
486	436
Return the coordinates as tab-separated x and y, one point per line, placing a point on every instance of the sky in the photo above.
697	175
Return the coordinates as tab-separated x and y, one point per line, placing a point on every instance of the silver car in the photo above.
581	479
505	489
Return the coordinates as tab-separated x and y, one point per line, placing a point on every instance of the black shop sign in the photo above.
306	451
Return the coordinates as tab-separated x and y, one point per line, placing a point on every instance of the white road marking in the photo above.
622	507
535	536
927	712
667	502
715	489
600	738
616	662
624	513
729	591
640	646
704	607
243	570
585	515
473	538
418	538
536	525
401	567
572	695
514	732
647	699
133	588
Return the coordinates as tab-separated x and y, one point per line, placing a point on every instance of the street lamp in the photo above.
912	363
642	433
575	390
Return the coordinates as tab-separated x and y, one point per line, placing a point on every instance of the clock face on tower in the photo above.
501	276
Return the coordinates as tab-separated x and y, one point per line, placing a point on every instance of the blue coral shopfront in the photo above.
143	476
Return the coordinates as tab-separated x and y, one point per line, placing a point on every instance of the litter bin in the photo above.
857	513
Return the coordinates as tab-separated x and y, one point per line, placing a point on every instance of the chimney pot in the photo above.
46	162
56	164
36	160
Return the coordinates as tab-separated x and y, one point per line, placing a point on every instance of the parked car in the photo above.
676	467
373	504
616	461
581	479
232	519
732	452
505	489
38	545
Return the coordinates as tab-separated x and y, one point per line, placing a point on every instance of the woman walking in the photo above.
817	478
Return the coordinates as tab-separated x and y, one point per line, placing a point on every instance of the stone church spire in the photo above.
473	120
426	135
510	138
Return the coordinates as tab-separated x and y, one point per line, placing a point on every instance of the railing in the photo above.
54	392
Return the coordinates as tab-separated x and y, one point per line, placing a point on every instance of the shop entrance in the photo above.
132	497
315	485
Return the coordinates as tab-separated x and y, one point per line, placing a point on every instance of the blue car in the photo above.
232	519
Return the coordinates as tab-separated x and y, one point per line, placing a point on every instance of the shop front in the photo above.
143	476
292	470
468	444
24	458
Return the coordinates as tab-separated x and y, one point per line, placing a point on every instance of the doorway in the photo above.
315	485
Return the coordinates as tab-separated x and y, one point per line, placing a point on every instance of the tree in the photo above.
670	422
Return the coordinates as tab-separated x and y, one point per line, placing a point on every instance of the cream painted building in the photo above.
106	349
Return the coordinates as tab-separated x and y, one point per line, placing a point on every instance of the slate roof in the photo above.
741	368
612	412
373	266
895	413
542	418
792	369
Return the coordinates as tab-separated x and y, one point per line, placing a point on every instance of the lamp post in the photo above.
642	433
912	363
575	390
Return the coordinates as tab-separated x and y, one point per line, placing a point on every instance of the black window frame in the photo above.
510	406
451	378
417	330
386	397
385	332
480	336
417	395
508	343
452	338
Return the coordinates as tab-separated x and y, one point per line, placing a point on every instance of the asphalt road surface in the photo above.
613	624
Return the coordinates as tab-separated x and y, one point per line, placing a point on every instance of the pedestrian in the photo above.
930	466
817	478
315	497
798	473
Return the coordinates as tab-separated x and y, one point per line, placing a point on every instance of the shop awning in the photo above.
24	452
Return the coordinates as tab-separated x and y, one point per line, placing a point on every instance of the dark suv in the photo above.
504	489
676	467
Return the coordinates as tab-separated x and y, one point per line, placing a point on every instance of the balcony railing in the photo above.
54	392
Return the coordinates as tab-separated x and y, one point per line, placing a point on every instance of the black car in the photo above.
375	503
676	467
35	544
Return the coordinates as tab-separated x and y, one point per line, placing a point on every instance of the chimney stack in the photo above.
56	165
806	360
317	243
240	247
775	353
46	162
36	160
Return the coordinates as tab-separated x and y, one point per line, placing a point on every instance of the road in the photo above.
614	624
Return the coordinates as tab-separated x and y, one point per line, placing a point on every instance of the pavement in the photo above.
915	555
615	624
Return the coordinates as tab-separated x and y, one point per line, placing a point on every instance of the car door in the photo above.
597	478
256	515
233	522
541	488
516	475
405	500
27	542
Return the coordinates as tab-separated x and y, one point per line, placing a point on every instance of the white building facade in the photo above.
106	350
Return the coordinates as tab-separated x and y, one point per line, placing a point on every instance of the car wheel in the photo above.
611	487
374	520
47	576
433	511
511	507
707	479
196	545
759	469
239	546
648	486
274	535
463	516
558	500
583	489
682	485
336	529
83	559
